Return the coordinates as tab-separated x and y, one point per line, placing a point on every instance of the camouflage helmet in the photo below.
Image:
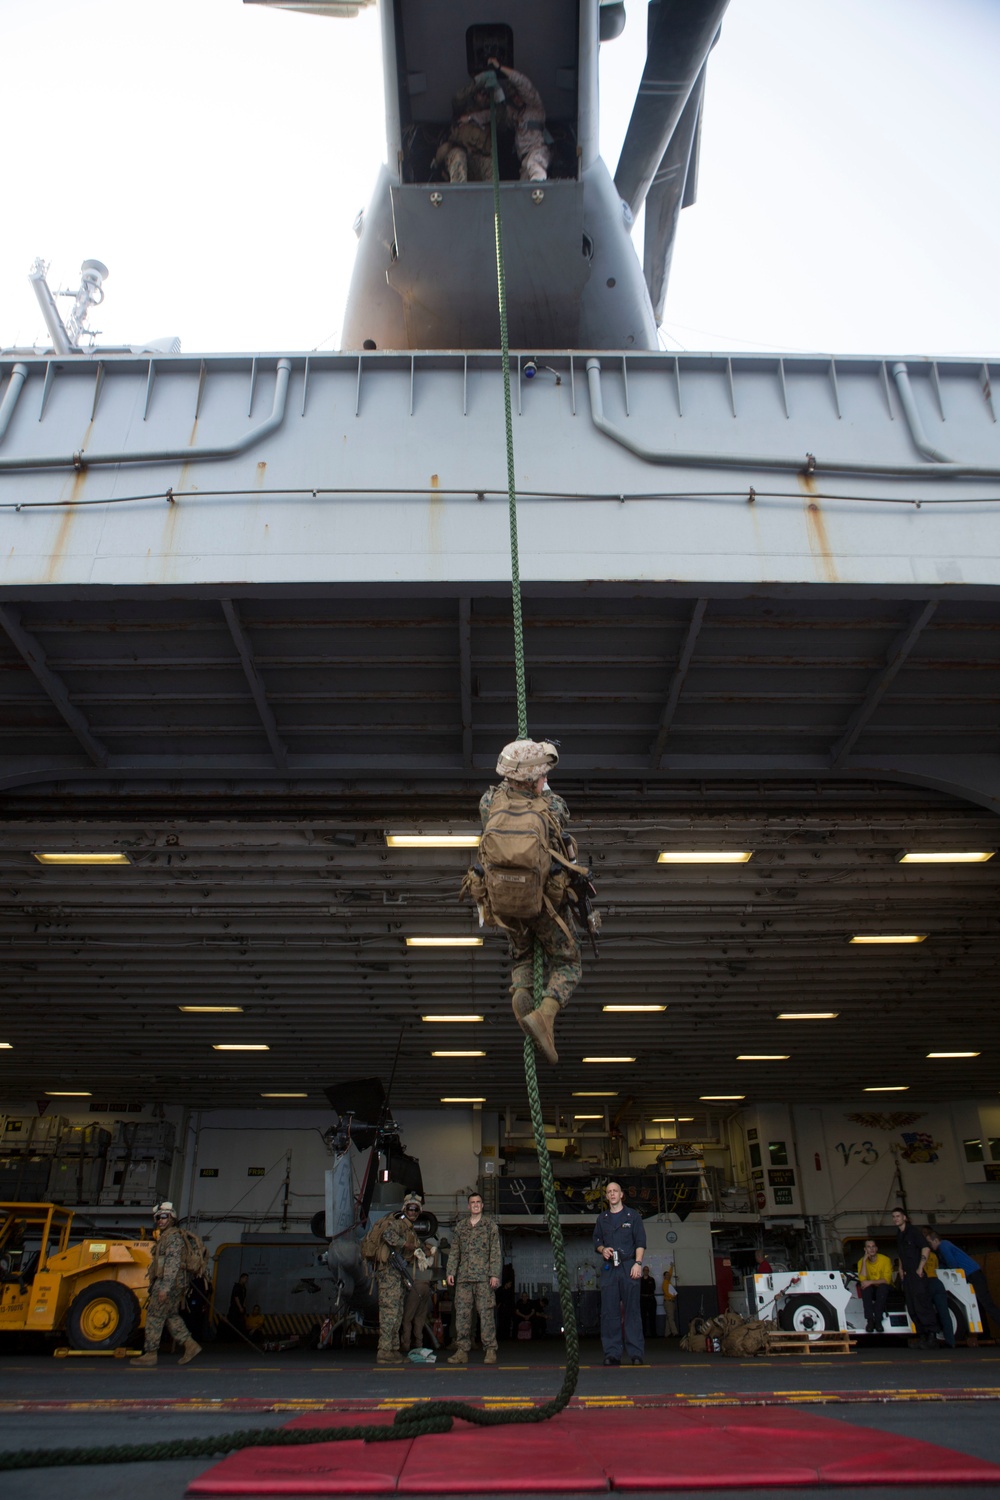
526	760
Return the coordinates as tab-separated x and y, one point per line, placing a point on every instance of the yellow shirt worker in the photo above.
874	1279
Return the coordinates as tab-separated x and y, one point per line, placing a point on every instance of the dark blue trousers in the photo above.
620	1303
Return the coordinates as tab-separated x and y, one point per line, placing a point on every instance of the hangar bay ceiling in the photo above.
249	755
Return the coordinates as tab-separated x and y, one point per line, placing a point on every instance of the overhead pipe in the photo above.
84	460
921	442
18	376
807	465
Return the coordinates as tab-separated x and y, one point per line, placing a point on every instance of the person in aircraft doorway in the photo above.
525	108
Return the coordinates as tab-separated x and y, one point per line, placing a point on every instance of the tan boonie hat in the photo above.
524	760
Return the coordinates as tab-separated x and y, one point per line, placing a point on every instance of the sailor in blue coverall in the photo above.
620	1234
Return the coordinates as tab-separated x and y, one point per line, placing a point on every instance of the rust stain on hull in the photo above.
819	542
60	545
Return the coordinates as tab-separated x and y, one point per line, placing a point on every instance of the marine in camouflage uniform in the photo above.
474	1266
397	1235
467	154
523	764
168	1286
527	112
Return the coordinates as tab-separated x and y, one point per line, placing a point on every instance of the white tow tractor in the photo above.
815	1301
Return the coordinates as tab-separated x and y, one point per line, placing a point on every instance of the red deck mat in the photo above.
351	1468
593	1451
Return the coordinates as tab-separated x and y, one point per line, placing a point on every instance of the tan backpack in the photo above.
195	1259
515	854
372	1247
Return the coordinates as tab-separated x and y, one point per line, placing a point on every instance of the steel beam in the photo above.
257	689
677	681
877	689
33	654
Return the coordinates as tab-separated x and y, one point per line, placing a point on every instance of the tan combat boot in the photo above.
539	1026
145	1361
522	1002
490	1357
459	1358
389	1359
190	1350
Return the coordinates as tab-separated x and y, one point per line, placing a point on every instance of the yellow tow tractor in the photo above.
94	1292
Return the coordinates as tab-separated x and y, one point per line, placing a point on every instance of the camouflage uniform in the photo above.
167	1274
467	154
398	1236
473	1259
529	127
562	964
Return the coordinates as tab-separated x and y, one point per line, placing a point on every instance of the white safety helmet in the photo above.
526	760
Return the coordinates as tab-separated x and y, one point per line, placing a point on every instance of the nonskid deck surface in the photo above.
696	1423
229	1377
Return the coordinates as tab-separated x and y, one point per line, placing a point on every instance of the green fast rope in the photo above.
566	1308
425	1416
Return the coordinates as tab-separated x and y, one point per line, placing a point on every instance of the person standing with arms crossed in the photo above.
620	1238
913	1253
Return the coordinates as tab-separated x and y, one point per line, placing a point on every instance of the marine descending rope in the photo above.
425	1416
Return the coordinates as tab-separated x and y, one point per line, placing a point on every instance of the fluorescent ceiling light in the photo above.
6	1046
762	1057
468	1099
664	1120
595	1094
284	1096
954	1054
888	937
432	840
444	942
946	857
710	1097
608	1059
886	1088
704	856
240	1047
95	858
458	1054
685	1119
588	1117
451	1018
67	1093
213	1010
643	1008
808	1015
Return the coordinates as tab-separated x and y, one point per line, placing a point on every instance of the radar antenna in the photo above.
67	337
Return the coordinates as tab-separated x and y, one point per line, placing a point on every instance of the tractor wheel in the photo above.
102	1316
959	1322
808	1313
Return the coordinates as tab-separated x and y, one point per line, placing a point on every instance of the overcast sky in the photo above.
215	155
